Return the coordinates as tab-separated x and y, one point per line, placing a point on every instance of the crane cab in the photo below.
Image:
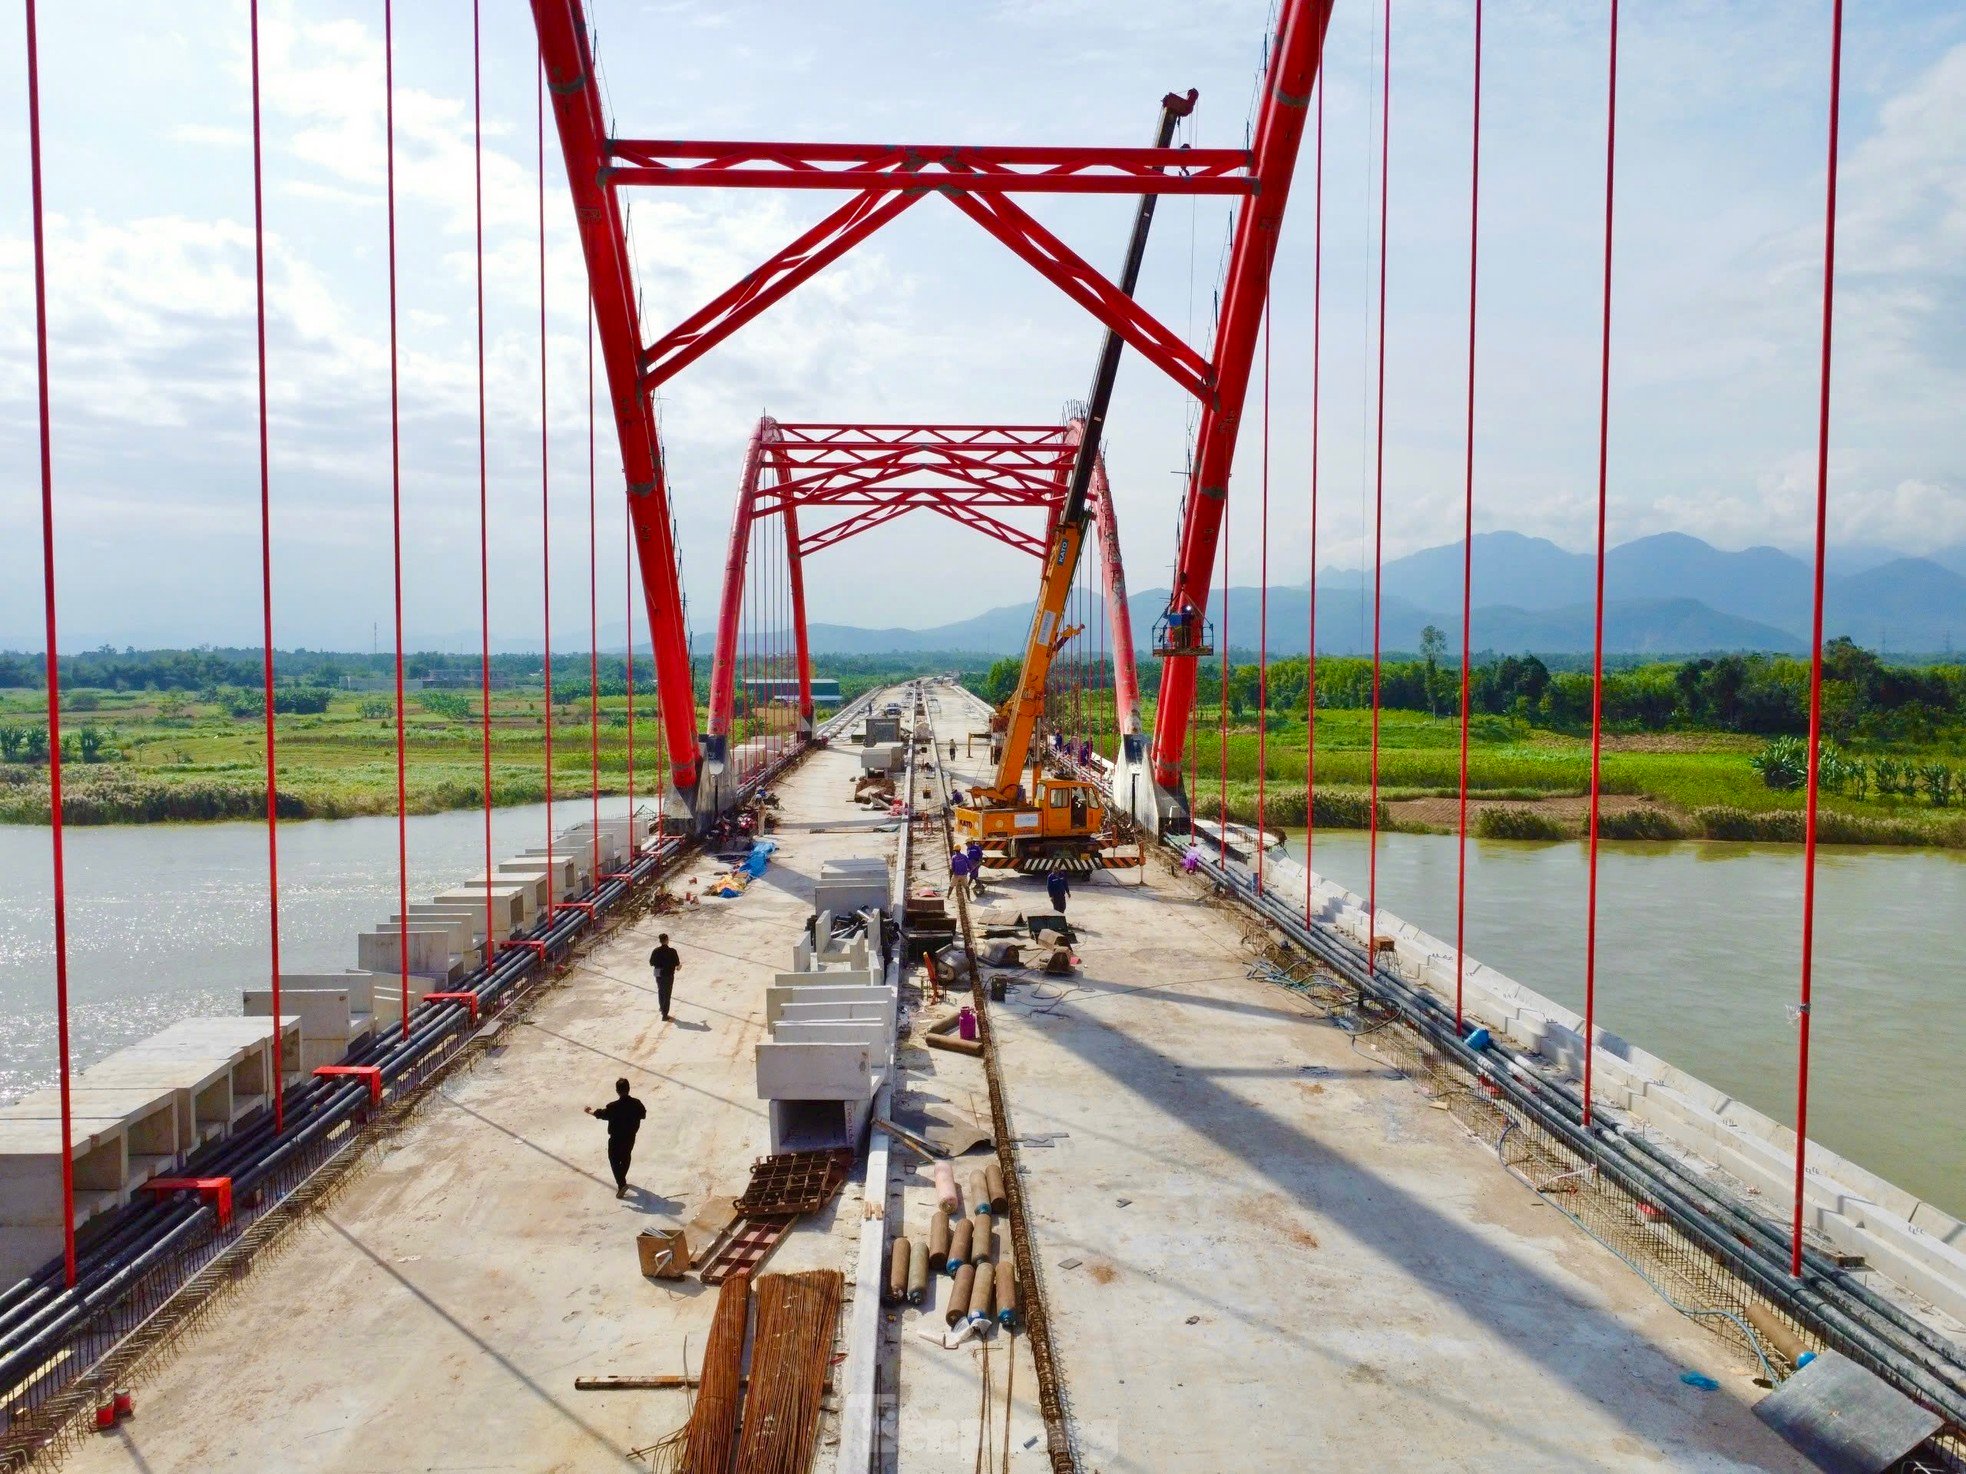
1067	815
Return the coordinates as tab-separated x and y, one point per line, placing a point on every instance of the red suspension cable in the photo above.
484	499
1379	496
1603	499
54	662
1317	398
396	521
1467	536
1816	643
593	620
266	572
628	586
1263	614
1222	704
545	491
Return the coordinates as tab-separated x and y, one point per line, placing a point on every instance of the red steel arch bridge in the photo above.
808	486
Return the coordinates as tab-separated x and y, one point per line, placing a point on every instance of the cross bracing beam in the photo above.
875	473
945	168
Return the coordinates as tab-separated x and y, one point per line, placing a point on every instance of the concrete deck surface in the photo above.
435	1315
1262	1250
1282	1259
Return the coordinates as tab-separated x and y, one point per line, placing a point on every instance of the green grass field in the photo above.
1702	783
168	757
188	760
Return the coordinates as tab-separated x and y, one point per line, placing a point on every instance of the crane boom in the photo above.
1048	633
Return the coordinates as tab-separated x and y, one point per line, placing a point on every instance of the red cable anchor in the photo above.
371	1073
217	1191
469	1000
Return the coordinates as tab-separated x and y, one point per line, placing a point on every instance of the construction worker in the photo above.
1059	888
959	869
665	962
624	1116
952	752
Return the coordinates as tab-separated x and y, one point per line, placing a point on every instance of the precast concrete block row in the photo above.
139	1113
830	1018
133	1116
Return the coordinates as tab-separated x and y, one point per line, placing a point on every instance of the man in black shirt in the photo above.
624	1117
665	962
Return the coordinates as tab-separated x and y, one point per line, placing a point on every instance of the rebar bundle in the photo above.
705	1443
798	1317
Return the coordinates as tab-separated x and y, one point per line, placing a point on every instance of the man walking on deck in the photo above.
665	962
1059	888
624	1117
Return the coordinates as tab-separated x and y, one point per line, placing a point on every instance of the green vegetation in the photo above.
152	736
1695	749
1512	821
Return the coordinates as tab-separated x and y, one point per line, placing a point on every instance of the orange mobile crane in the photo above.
1058	822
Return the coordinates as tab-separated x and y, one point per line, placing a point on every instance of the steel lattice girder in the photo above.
788	467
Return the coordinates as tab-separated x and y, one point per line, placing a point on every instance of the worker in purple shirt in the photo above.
959	873
1085	751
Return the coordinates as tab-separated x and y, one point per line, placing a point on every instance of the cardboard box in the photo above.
664	1253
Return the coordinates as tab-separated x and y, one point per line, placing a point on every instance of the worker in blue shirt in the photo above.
1059	888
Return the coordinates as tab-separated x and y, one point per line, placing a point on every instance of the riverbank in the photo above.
1530	783
150	758
1559	817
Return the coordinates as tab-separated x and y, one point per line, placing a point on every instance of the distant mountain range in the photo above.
1668	594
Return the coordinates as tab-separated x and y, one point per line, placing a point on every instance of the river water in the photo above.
1699	948
166	921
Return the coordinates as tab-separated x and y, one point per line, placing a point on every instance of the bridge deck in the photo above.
436	1314
1279	1256
1285	1259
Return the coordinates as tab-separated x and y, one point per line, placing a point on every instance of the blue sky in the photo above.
1722	111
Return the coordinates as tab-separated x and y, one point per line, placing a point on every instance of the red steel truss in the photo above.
1294	60
886	179
569	64
877	473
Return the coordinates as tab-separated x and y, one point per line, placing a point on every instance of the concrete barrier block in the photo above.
830	1012
329	1021
815	1071
381	951
509	903
867	1032
876	994
1940	1225
839	977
